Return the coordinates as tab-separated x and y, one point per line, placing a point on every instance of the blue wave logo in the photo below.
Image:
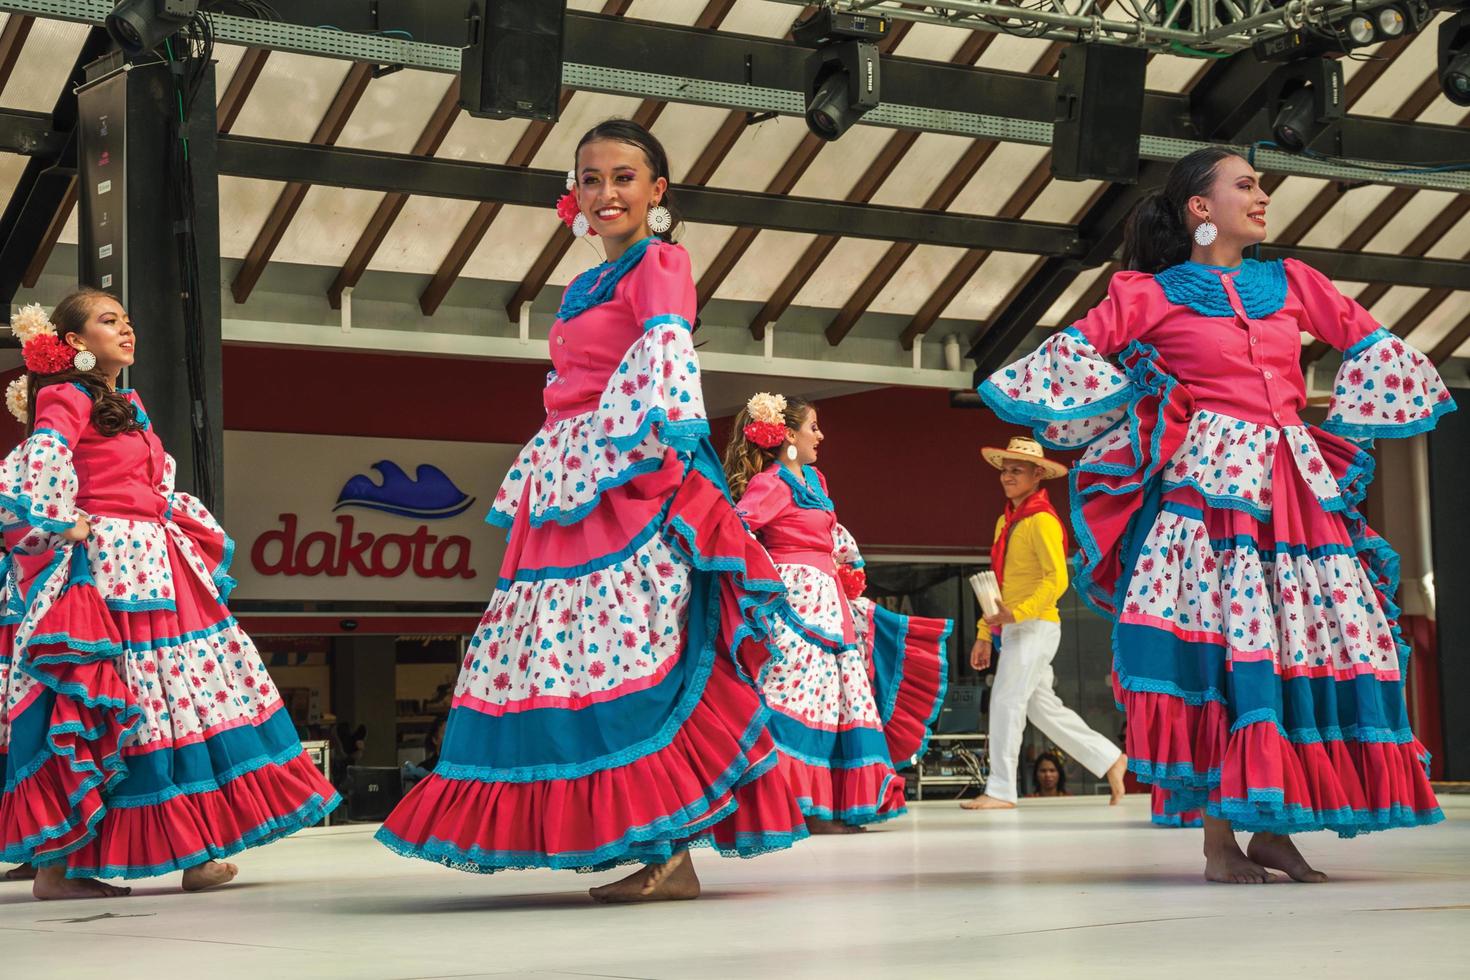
430	496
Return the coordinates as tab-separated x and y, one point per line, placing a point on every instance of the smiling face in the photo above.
108	334
806	439
615	188
1019	479
1236	203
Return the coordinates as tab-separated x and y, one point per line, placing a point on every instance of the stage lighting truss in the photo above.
1302	28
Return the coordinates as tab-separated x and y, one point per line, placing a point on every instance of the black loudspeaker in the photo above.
513	68
372	792
1099	113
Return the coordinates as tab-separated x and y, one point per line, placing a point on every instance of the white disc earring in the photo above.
84	361
659	219
580	225
791	453
1205	234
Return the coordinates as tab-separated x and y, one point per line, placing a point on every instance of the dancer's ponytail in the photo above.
1155	235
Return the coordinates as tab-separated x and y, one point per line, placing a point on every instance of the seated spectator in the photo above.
1048	776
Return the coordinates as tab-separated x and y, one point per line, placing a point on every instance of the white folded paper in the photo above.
987	590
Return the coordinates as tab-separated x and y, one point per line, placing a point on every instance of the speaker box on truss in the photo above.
1099	113
513	68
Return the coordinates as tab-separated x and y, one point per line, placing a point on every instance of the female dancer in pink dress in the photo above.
1256	648
857	687
139	731
607	712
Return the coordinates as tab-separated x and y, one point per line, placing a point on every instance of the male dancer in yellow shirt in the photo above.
1029	558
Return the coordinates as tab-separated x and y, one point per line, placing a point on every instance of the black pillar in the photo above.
130	245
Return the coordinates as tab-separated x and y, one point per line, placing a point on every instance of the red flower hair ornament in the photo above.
767	425
570	212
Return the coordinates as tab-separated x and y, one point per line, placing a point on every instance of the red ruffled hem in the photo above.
715	761
52	812
921	692
189	829
857	795
1259	779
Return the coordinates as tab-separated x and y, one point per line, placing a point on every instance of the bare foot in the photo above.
672	881
817	825
1114	776
52	884
986	803
21	872
1229	866
1279	851
208	875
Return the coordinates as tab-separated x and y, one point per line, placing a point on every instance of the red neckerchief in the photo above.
1037	503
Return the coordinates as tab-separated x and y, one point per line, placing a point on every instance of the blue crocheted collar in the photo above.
806	492
1260	285
596	286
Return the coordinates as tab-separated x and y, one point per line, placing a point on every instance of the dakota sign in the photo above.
337	518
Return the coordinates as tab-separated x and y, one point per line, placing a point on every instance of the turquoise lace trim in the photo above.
597	285
806	492
1260	285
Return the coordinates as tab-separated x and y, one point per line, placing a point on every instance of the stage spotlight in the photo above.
842	74
1360	29
137	26
1391	21
1454	58
1305	99
1294	123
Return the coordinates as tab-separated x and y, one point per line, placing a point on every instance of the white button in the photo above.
1268	375
1253	341
560	341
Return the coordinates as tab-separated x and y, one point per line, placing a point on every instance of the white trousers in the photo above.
1024	690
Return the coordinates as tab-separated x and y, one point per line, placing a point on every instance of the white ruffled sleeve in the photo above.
38	483
656	388
845	549
1386	389
1065	390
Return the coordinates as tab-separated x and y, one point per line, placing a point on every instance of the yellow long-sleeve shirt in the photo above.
1035	575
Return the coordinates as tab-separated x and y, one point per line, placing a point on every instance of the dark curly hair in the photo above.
112	413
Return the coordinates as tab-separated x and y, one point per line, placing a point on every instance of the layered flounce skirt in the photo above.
1256	646
607	711
847	712
139	731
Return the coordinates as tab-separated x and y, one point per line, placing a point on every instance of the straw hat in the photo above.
1027	450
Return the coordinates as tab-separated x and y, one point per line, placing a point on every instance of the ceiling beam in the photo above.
48	176
349	94
946	292
473	232
12	40
51	236
873	178
378	171
797	162
750	63
561	241
943	196
1451	342
242	83
435	131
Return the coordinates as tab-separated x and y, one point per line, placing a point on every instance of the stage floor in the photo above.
1066	888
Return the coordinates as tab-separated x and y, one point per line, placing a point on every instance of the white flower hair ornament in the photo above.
17	400
43	352
767	425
